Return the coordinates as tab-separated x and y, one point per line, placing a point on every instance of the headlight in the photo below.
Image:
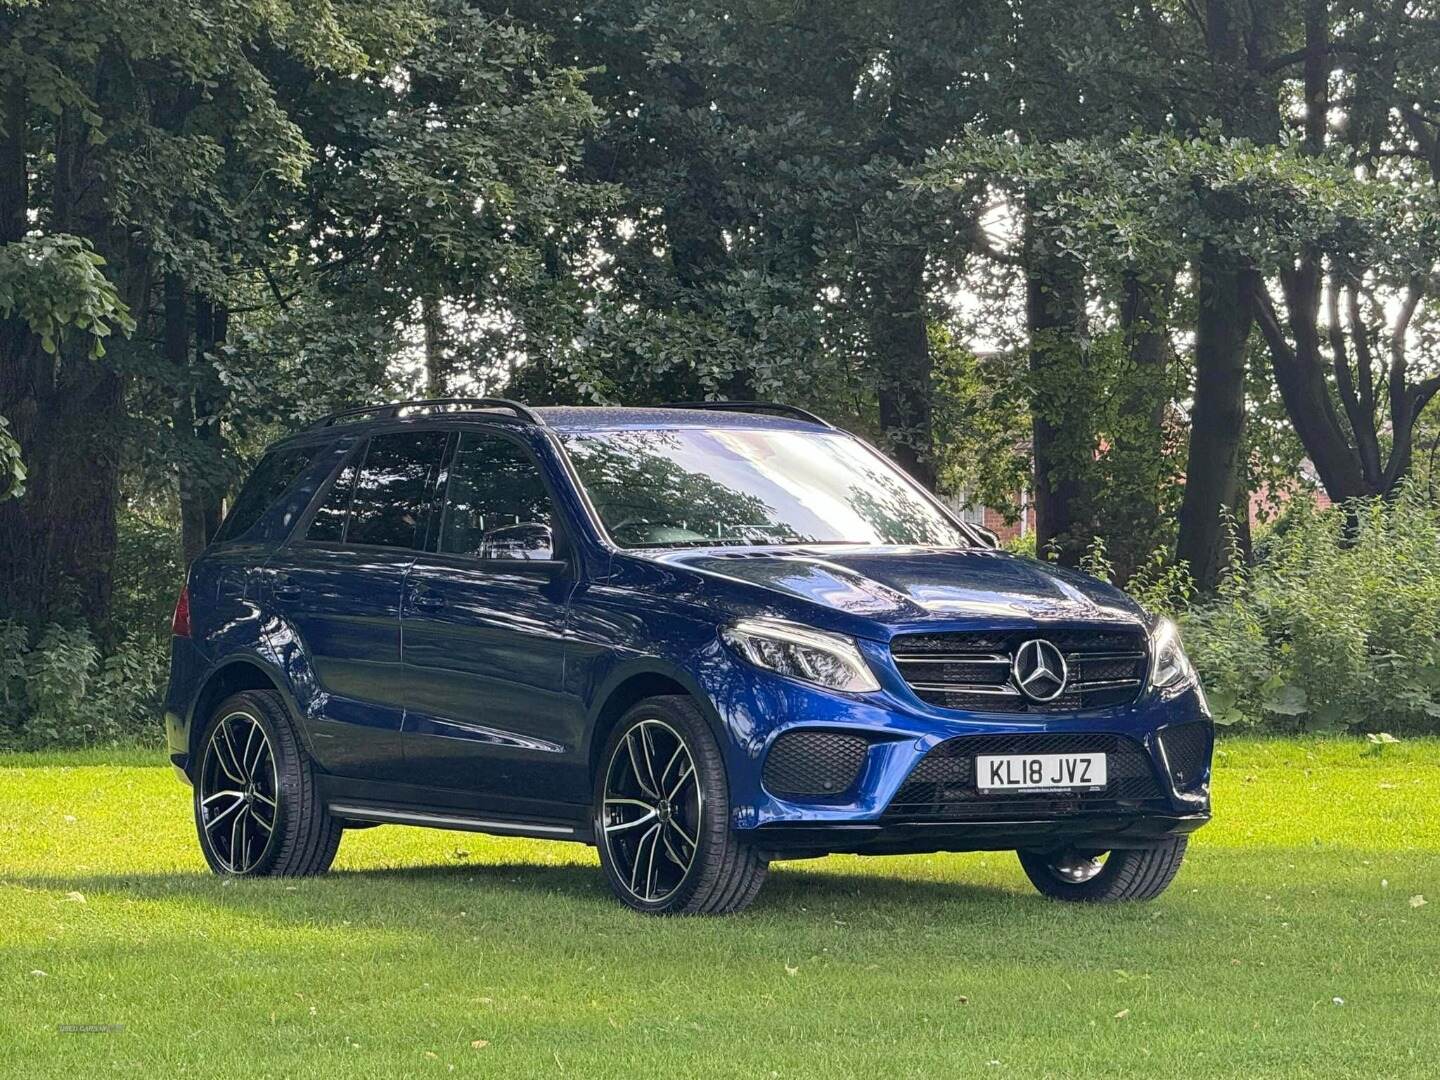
1169	666
829	660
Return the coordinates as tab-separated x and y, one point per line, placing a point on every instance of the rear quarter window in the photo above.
384	500
272	478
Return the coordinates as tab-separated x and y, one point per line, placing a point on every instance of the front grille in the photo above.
942	786
813	763
1187	749
970	670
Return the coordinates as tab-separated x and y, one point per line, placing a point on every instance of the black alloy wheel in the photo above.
1085	876
662	812
258	811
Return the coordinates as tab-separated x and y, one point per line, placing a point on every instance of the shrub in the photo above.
1336	626
58	690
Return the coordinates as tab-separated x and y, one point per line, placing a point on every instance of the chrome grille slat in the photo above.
954	658
1002	689
972	670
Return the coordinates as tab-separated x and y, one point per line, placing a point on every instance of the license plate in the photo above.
1040	772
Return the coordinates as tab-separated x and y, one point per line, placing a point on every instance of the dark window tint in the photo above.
329	521
272	478
391	491
494	487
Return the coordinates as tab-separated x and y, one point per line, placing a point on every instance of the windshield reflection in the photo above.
691	487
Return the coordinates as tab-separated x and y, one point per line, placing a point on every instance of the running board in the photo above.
388	816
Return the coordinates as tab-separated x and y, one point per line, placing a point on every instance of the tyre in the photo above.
258	811
662	816
1101	877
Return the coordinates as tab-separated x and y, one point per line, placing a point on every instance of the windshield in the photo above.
694	487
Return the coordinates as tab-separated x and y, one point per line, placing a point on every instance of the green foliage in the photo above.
58	690
12	466
981	423
55	284
1337	626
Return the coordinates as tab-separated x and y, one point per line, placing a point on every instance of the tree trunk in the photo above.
65	411
1063	422
194	532
1217	419
1300	377
905	368
1136	465
437	365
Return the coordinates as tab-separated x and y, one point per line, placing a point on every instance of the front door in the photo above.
483	625
336	594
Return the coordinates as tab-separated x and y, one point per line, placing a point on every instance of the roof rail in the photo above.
394	408
791	411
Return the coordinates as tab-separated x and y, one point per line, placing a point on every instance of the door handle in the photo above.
429	601
285	589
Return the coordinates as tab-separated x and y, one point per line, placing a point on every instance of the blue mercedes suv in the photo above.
698	637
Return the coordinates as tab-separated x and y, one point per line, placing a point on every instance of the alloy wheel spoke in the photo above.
237	842
239	802
648	742
650	834
675	856
665	772
268	826
650	813
635	767
650	873
256	764
225	755
245	761
683	835
208	799
686	772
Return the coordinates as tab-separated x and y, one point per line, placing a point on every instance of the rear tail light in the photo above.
180	624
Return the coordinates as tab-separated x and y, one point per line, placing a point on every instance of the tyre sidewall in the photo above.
685	719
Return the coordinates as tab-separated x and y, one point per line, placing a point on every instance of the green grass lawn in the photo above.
1290	945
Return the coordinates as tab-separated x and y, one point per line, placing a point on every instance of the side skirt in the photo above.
370	802
388	815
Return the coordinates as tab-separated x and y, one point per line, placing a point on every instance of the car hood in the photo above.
906	587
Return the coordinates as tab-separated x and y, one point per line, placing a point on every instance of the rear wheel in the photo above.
1103	877
662	816
258	810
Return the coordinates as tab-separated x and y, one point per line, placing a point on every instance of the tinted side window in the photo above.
270	480
391	491
493	486
329	520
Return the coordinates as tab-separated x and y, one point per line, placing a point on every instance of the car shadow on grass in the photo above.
373	894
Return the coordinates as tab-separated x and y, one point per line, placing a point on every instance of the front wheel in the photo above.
662	816
1104	877
258	809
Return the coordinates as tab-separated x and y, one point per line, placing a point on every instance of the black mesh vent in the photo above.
814	763
1187	748
971	670
942	786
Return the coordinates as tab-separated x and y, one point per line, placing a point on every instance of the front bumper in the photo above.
1103	831
756	708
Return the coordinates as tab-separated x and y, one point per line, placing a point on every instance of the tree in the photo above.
248	174
1355	409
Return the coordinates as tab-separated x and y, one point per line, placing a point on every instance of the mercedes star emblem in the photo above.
1039	670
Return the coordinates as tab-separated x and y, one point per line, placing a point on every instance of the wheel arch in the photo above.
634	684
232	676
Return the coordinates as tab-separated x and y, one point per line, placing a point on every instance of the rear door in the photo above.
337	593
225	585
484	633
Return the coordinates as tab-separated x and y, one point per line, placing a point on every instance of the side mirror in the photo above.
530	541
991	540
